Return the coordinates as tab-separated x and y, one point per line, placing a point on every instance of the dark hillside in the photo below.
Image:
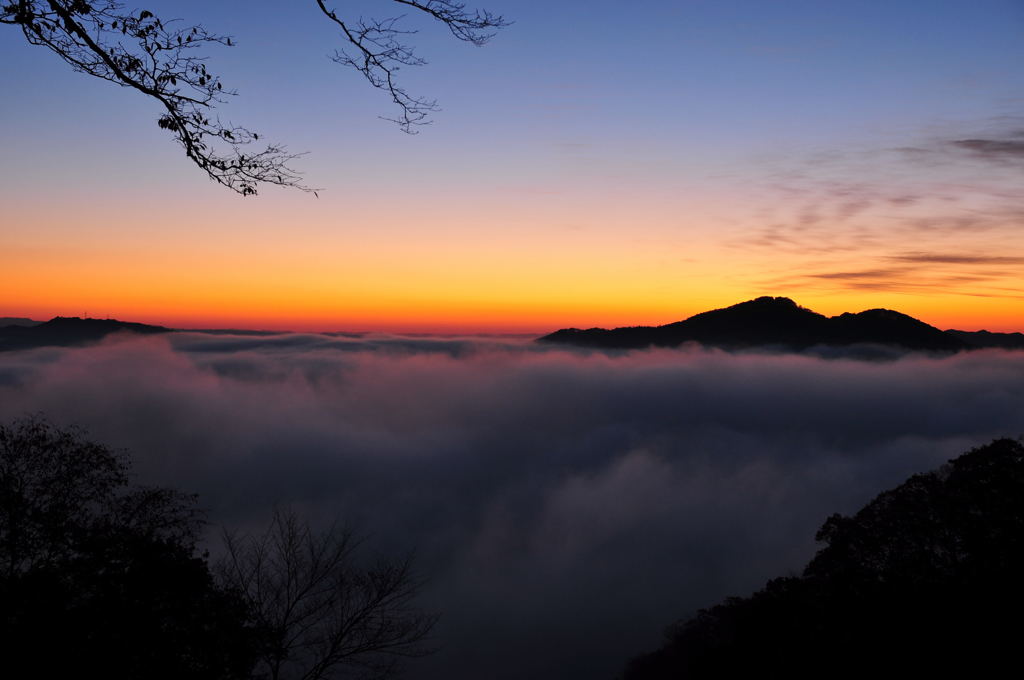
924	581
69	331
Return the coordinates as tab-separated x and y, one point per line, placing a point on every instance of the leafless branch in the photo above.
378	52
321	611
163	60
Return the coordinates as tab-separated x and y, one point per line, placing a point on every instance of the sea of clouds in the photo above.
565	506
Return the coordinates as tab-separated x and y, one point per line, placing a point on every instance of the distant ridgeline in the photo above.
66	332
778	322
767	322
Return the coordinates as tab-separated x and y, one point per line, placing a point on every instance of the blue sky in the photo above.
581	116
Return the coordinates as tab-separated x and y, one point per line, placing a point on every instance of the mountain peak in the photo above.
769	300
773	322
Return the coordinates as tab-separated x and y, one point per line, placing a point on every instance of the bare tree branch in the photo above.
163	60
321	611
380	51
159	60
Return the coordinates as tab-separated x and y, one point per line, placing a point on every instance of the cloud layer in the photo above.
564	506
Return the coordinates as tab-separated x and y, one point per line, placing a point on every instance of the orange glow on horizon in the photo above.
528	271
509	319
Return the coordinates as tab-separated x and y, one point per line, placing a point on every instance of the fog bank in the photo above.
565	506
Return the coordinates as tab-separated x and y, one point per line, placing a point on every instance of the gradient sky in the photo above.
589	167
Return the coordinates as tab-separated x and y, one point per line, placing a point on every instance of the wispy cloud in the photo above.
1008	148
951	258
859	275
959	194
920	272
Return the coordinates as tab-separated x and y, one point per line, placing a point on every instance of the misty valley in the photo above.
564	505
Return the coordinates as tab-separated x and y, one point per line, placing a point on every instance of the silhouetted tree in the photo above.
924	581
101	578
323	614
164	61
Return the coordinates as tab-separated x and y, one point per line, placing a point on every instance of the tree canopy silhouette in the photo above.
923	581
100	577
165	61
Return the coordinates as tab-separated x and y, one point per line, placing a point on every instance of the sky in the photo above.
589	167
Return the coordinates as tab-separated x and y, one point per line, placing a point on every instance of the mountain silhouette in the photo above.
765	322
68	331
986	339
17	321
778	322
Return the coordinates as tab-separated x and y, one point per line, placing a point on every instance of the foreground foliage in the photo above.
924	580
100	577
